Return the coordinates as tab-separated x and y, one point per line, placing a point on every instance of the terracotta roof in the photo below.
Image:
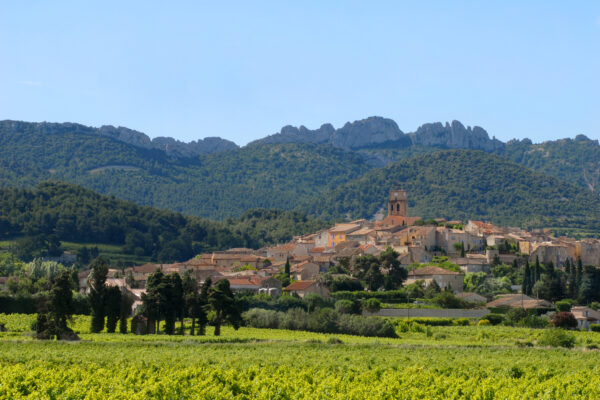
250	258
284	247
344	228
147	268
220	256
300	285
362	231
518	301
399	220
580	313
432	270
317	250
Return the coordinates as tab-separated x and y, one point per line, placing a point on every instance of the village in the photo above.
474	246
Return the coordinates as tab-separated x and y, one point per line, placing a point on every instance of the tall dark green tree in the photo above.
579	272
571	280
112	304
203	306
537	270
396	275
155	298
588	285
176	299
58	310
223	303
190	297
527	281
97	293
126	303
374	278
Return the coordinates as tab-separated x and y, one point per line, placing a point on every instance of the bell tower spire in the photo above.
397	203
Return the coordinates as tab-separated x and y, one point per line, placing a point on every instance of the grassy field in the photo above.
452	362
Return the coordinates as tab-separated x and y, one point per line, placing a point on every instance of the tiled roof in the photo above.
300	285
343	228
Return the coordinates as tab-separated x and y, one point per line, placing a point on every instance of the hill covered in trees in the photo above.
467	184
54	212
216	185
297	168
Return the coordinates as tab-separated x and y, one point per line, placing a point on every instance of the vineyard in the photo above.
437	363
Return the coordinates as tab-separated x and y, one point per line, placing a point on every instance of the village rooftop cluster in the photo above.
474	247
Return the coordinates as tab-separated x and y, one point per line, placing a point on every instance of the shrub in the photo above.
448	300
372	305
461	322
514	316
595	327
334	340
345	306
494	319
430	321
515	372
345	284
483	322
314	301
533	321
565	320
557	338
324	320
563	306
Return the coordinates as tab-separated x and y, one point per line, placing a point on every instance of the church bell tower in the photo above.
397	203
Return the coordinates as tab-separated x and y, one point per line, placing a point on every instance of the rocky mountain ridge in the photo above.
377	131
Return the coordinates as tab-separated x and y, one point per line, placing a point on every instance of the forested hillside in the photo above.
56	211
466	184
216	186
573	160
279	173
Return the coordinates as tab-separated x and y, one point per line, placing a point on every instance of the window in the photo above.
397	207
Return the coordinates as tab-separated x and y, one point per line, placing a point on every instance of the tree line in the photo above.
53	212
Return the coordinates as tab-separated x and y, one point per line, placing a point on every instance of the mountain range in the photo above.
327	172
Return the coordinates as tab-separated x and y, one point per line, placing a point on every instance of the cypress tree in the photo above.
537	270
113	307
579	273
202	306
571	281
527	285
287	268
126	303
97	294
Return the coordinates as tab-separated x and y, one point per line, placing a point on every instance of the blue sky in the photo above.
242	70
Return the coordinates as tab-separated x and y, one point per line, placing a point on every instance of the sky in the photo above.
242	70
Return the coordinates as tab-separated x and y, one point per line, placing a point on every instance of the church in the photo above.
398	210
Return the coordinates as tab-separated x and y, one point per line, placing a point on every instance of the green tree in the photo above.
125	312
537	270
527	285
374	278
112	302
203	305
586	289
57	310
223	303
432	290
396	275
176	299
97	293
155	299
